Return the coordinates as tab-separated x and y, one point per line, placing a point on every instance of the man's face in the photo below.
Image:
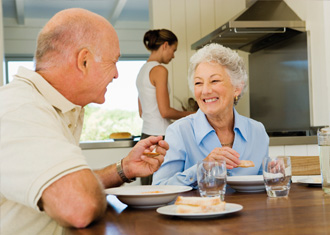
103	70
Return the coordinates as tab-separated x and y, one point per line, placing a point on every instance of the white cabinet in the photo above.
294	150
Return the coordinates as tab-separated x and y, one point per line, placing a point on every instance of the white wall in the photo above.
1	48
326	14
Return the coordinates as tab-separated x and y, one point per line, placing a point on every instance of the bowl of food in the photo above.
144	196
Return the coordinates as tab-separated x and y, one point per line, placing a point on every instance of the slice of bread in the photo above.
199	204
246	163
120	135
197	201
151	154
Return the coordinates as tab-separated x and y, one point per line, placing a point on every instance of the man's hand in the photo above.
136	164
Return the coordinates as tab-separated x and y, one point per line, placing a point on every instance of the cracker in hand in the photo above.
246	163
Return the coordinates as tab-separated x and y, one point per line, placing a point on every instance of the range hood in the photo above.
261	24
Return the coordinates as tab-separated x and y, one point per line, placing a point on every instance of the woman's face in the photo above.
169	51
213	89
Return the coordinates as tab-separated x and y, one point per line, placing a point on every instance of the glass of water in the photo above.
212	178
277	176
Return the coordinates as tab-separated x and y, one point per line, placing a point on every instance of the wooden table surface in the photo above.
305	211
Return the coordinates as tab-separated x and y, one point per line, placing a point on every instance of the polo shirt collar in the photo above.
55	98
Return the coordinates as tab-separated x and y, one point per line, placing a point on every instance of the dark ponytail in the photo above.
153	39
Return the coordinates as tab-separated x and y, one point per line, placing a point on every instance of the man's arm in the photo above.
75	200
78	198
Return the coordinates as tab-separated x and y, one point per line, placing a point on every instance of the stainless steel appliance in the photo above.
279	88
263	23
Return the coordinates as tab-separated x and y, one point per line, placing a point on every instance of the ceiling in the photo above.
116	11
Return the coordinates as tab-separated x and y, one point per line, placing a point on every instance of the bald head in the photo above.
69	31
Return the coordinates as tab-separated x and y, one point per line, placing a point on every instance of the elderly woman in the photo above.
218	78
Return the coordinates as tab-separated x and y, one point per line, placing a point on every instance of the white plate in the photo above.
171	210
144	196
247	183
311	180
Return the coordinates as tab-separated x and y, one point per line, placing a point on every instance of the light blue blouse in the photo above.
192	138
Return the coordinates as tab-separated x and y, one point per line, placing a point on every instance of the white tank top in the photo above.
153	122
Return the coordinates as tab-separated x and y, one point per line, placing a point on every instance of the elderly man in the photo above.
45	180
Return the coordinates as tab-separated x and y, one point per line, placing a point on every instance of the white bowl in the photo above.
147	195
247	183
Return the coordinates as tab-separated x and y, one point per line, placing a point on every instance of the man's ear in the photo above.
83	59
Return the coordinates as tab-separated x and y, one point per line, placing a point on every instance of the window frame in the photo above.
96	144
14	58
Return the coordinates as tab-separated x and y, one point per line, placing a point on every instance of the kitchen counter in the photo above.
292	140
102	144
273	141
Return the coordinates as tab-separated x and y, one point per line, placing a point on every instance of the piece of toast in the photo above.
199	204
246	163
120	135
151	154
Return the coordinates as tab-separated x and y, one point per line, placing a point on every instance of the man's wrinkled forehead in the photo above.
114	45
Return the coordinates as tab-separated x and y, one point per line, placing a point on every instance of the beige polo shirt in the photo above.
39	143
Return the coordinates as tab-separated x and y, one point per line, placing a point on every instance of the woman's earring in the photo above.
235	100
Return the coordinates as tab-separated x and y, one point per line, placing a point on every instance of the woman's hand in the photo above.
224	153
136	164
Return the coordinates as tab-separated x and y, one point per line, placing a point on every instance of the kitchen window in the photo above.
119	113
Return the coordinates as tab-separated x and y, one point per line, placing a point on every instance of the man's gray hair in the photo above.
61	42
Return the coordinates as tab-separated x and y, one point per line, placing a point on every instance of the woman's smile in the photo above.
209	100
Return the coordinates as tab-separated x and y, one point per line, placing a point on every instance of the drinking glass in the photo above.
323	136
277	176
212	178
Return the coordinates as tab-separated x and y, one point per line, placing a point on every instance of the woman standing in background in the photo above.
153	87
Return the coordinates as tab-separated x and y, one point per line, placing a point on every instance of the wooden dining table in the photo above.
305	211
